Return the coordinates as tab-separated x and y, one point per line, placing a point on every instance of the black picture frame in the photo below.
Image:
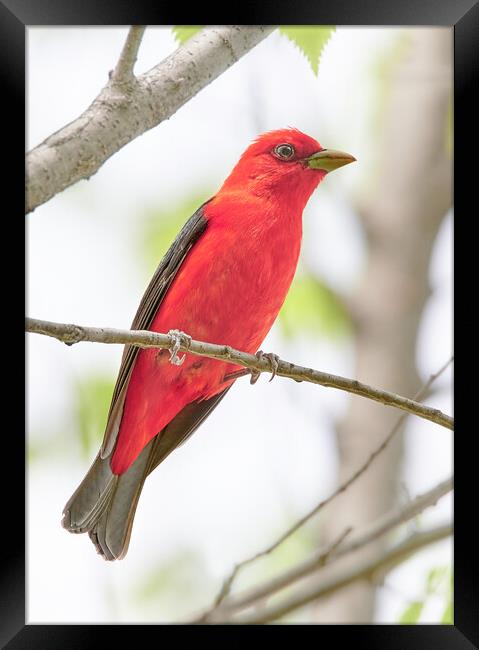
15	17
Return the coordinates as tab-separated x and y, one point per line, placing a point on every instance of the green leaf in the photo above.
310	40
412	612
312	307
182	33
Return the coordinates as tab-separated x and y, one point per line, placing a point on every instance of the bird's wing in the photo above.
152	298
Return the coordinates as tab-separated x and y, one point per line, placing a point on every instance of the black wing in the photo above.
154	294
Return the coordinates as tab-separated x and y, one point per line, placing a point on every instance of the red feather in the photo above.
228	290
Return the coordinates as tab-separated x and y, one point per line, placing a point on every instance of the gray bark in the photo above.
127	107
402	218
228	609
177	341
368	565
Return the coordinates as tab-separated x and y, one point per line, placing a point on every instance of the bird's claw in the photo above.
274	363
178	339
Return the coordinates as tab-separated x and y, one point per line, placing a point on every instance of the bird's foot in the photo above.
274	363
178	339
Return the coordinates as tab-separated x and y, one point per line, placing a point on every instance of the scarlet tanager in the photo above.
223	280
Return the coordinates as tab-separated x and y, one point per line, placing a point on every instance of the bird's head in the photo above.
286	164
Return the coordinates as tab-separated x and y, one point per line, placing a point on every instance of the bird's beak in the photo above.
328	160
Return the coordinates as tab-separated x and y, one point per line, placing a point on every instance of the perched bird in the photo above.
223	280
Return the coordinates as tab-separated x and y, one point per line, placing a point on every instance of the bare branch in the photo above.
121	112
124	68
362	538
366	569
226	587
71	334
263	591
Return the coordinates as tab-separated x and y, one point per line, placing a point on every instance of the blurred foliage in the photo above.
181	582
438	584
312	307
161	225
294	549
176	584
447	617
412	612
41	448
302	544
309	39
440	580
93	397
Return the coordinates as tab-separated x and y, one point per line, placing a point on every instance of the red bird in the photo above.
223	280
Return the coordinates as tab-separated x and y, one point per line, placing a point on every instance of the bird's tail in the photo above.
104	504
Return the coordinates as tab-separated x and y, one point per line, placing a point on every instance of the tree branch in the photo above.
366	569
71	334
121	112
227	583
381	526
124	68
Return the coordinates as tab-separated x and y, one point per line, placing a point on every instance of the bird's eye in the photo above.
284	151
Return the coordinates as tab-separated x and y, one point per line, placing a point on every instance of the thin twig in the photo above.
362	538
71	334
122	112
366	569
123	71
226	586
243	600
